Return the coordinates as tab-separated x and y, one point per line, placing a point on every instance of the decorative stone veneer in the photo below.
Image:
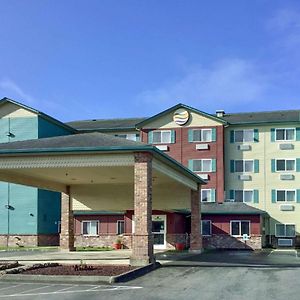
103	240
30	240
224	241
172	239
195	237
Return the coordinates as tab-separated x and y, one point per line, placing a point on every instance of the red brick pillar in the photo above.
67	222
196	238
142	242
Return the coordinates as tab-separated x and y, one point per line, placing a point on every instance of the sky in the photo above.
95	59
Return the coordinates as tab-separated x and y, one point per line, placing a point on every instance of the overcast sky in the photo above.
103	59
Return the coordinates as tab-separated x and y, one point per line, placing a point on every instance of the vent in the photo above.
285	242
220	113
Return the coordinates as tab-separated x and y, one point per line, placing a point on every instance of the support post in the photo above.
142	242
196	237
67	222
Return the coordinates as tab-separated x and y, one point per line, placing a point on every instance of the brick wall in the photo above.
30	240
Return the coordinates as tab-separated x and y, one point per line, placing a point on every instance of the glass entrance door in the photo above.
159	231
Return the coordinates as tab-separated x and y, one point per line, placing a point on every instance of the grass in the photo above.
92	248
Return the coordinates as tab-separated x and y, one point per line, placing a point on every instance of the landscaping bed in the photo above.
8	265
80	270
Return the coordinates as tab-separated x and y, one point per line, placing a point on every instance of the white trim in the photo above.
285	134
288	236
243	136
203	159
118	226
201	196
243	160
286	190
210	227
161	142
164	217
89	221
240	227
285	159
201	135
243	191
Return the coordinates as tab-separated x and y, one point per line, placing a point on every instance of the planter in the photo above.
179	246
117	246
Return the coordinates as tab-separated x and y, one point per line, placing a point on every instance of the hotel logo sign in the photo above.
181	116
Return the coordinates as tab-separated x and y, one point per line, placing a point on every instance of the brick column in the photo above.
142	242
196	238
67	222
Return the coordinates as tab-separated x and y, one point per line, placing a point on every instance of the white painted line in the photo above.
35	289
113	288
67	288
271	252
9	287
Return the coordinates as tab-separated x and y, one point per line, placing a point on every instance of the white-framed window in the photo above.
208	195
202	165
285	165
243	196
90	227
239	227
129	136
244	165
285	230
161	137
285	134
202	135
285	195
206	227
245	135
120	226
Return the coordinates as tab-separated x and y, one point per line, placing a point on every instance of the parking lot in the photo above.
265	275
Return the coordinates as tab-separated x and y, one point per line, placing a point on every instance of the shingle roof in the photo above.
102	124
263	117
233	208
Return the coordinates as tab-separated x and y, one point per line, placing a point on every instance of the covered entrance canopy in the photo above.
95	171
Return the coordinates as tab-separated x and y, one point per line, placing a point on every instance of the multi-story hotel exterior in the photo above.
248	161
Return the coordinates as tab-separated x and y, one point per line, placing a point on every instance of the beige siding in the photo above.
9	110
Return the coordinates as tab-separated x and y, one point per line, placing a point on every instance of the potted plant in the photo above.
118	243
179	246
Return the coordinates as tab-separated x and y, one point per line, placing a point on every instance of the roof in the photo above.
279	116
177	106
91	142
230	208
106	124
39	113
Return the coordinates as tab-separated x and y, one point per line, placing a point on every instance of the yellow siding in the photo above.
265	180
195	120
9	110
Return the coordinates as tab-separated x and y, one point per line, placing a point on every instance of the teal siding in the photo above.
23	129
4	129
49	129
48	211
3	210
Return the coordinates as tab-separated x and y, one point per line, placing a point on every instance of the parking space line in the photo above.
65	289
11	286
35	289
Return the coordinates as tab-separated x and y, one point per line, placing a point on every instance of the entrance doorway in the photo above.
159	231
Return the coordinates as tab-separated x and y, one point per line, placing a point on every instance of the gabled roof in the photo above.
90	142
39	113
106	124
180	105
279	116
229	208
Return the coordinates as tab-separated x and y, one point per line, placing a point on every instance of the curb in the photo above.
130	275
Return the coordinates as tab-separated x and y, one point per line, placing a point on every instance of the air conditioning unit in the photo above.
286	207
285	242
203	176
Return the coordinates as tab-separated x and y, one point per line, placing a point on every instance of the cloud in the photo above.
10	89
225	84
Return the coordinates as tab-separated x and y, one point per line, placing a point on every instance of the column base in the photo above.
141	261
196	251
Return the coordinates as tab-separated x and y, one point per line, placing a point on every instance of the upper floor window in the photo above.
243	196
285	195
161	136
208	195
244	166
206	227
246	135
285	165
238	228
285	230
285	134
202	135
90	227
120	226
129	136
202	165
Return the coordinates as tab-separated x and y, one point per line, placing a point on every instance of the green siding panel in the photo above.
272	134
213	165
4	129
49	210
298	134
273	165
150	137
213	195
231	194
273	196
256	166
298	196
23	129
191	164
232	166
255	196
49	129
173	136
190	135
231	136
298	164
256	136
213	134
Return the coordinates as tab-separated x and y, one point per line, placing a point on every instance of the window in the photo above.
161	137
246	135
244	166
90	227
285	230
202	165
285	195
285	134
129	136
202	135
120	226
208	195
206	227
285	165
243	196
238	228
